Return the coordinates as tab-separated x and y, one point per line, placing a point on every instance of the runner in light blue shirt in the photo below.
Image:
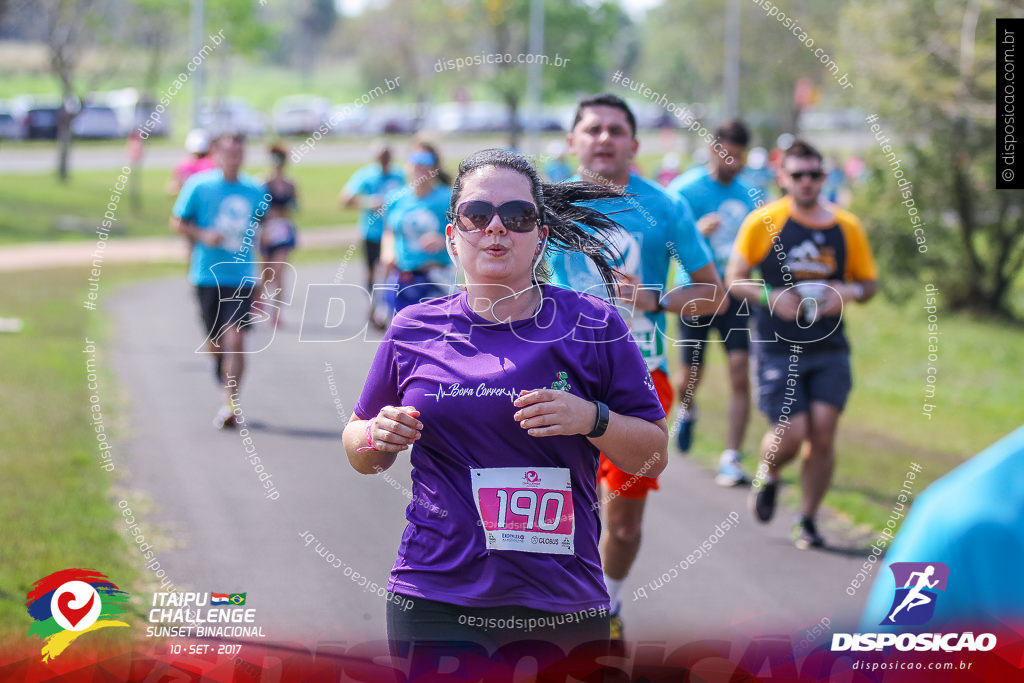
415	219
219	211
721	201
371	188
603	137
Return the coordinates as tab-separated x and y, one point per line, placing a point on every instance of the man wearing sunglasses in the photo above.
814	258
657	228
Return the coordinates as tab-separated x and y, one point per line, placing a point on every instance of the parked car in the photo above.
391	118
300	114
231	114
9	128
97	122
468	117
545	120
347	119
41	122
135	109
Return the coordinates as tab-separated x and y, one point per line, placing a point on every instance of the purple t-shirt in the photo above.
499	517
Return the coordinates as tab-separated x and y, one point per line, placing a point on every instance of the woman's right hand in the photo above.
395	428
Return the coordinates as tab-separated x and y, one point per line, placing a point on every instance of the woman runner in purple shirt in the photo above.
509	391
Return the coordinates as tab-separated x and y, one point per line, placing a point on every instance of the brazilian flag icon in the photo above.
237	598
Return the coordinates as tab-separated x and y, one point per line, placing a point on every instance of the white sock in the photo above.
730	455
614	587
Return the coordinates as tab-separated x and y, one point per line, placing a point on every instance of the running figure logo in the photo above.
914	602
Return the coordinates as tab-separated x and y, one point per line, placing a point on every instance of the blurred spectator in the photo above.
197	144
556	169
669	168
277	238
972	520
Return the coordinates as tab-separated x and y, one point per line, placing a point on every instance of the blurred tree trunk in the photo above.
65	20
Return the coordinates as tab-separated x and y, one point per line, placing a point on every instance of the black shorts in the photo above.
420	620
222	306
732	327
372	250
785	390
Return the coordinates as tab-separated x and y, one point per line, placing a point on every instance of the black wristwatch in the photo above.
601	423
658	306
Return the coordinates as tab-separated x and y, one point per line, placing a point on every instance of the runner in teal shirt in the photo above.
372	188
219	211
720	201
416	218
661	228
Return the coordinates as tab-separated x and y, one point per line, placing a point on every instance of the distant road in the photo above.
328	152
111	157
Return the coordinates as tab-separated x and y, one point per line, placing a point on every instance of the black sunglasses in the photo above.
813	175
517	215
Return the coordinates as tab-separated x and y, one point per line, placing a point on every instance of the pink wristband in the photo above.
369	440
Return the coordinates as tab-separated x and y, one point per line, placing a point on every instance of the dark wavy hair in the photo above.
571	226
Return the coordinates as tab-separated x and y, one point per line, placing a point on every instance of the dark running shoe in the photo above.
684	435
805	535
763	501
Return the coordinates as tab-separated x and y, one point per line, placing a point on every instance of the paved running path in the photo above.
222	535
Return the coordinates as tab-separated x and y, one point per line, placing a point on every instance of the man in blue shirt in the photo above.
661	228
219	211
369	188
720	201
971	520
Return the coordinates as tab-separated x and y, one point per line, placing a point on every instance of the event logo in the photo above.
914	603
917	592
69	603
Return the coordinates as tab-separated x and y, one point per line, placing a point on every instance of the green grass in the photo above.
883	429
37	208
57	507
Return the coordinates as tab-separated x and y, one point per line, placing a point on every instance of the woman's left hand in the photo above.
550	412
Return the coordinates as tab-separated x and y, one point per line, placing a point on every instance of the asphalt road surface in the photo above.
217	531
112	156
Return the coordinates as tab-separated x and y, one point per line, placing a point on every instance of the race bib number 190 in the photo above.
525	509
